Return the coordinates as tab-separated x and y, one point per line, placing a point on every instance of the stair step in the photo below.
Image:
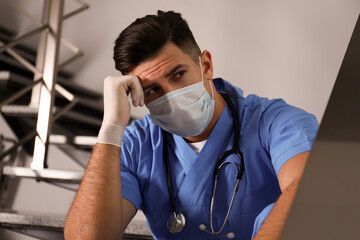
12	79
52	175
87	100
13	218
21	110
27	111
86	97
51	226
76	140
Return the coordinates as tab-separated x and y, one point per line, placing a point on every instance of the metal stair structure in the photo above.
43	107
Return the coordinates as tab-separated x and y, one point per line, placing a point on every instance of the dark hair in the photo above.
144	38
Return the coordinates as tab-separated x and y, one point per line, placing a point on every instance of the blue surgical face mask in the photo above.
186	111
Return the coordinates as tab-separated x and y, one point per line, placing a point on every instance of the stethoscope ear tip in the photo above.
230	235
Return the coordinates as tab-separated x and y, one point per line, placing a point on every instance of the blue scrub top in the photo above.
271	132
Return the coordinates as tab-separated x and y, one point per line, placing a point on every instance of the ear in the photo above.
207	65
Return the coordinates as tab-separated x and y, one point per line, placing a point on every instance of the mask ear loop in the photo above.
202	78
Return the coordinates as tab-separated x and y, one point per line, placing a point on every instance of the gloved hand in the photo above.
117	107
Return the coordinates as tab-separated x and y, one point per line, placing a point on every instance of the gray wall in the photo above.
279	48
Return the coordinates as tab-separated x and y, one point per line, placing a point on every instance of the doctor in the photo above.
174	179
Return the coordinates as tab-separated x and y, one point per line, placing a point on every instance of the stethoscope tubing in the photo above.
219	164
168	174
231	203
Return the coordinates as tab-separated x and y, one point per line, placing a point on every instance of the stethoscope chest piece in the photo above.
176	222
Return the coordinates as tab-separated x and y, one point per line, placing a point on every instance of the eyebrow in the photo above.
149	86
174	69
171	72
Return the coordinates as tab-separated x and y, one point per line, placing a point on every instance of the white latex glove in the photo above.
117	107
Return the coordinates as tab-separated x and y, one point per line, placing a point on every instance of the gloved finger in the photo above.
137	93
142	100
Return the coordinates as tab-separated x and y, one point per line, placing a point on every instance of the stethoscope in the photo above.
176	221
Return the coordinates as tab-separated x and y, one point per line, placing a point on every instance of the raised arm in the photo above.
99	211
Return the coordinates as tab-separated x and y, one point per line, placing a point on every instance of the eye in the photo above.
179	74
152	90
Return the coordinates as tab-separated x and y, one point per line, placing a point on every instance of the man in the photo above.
164	69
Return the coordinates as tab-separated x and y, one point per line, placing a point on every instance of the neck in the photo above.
219	108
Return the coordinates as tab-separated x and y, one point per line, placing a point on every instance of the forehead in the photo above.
169	56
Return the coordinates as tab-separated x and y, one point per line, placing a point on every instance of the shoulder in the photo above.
269	116
236	95
279	111
261	106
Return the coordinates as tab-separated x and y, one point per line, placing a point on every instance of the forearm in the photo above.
96	210
275	222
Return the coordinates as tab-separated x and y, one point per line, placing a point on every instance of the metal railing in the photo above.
45	71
